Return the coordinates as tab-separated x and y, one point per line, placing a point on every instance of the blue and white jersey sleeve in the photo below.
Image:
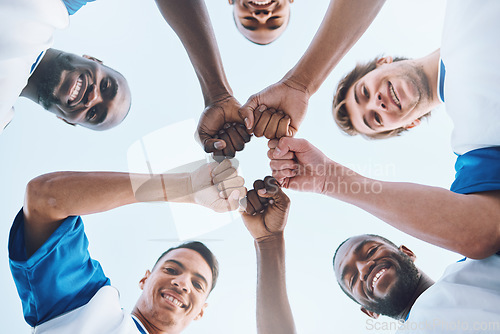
477	171
59	277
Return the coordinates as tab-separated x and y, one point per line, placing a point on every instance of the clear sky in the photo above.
132	37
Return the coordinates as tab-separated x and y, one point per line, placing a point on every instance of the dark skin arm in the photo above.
265	218
191	22
344	23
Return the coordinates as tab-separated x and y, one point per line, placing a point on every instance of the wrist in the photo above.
341	181
179	188
217	94
272	241
301	83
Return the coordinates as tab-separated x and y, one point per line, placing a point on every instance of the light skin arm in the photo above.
265	218
343	25
51	198
466	224
191	22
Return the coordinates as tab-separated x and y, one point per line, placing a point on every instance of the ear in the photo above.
65	121
412	124
408	252
202	311
371	314
384	60
144	279
92	58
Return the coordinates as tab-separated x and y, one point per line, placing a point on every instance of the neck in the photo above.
424	283
430	65
152	329
30	91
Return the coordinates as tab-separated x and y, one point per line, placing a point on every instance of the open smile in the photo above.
77	91
261	5
173	300
393	96
375	276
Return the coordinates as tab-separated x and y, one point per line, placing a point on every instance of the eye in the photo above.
197	285
91	114
372	251
170	271
377	118
351	282
365	91
105	84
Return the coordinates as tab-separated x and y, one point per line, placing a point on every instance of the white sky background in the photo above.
132	37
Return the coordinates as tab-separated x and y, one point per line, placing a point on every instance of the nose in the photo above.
261	15
380	102
364	269
92	95
181	282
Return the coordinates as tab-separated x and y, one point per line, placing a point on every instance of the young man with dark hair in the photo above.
64	290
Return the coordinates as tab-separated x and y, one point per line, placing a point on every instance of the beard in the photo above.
393	304
51	79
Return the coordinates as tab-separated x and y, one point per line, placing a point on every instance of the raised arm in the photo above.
467	224
191	22
265	218
344	23
53	197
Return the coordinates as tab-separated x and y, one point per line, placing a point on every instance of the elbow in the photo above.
40	195
483	248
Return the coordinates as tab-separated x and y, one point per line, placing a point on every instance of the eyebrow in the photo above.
355	93
249	27
102	118
357	101
200	276
356	251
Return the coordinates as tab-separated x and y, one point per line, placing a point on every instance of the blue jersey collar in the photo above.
442	74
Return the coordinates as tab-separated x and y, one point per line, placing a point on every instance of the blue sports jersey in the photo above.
477	171
59	277
74	5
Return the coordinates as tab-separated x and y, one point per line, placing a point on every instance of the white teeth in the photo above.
75	90
175	301
377	276
261	3
393	95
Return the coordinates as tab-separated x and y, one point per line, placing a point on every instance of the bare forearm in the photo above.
467	224
58	195
274	314
344	23
191	22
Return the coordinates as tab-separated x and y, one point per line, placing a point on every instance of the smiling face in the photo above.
392	96
376	274
82	91
261	21
174	293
